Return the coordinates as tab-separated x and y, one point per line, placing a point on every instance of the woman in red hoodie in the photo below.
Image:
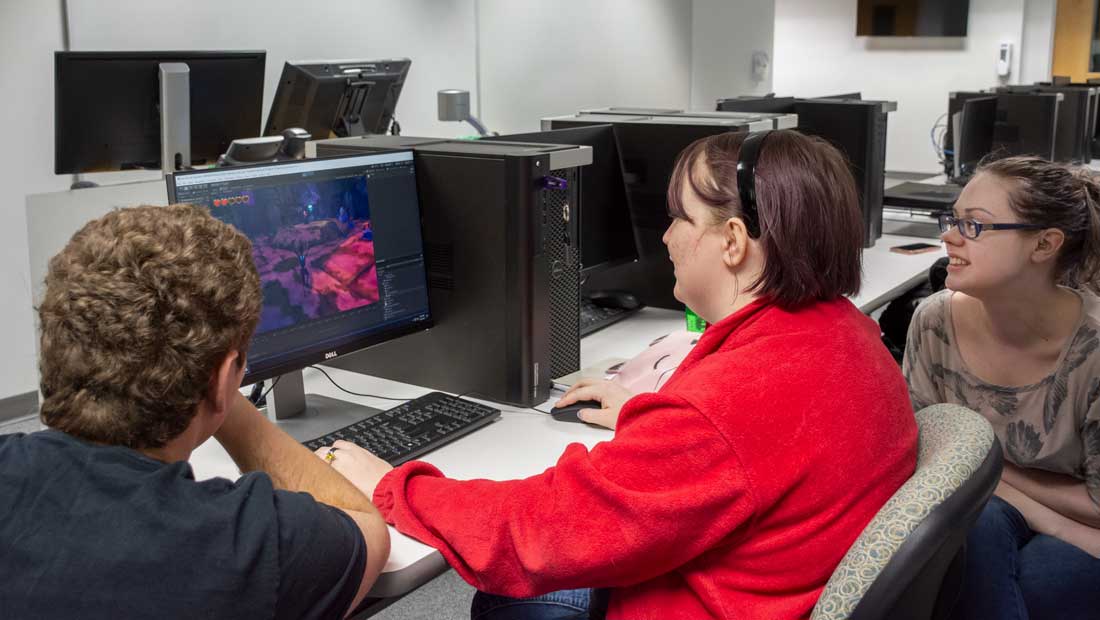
736	489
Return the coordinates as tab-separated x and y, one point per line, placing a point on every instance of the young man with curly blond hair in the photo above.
145	320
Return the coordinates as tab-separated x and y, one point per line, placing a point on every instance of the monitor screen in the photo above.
337	98
912	18
857	128
338	246
107	106
979	115
1026	124
607	236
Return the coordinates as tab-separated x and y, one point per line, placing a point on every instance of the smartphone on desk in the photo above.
915	248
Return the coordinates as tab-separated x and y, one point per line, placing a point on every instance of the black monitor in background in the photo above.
607	236
648	147
1091	100
1075	117
856	128
1027	124
107	106
912	18
338	246
764	105
978	117
955	101
337	98
1073	128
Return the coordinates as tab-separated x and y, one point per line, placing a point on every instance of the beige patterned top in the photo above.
1053	424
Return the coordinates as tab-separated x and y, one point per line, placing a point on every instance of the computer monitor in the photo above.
107	106
955	101
748	103
978	117
1093	131
337	98
857	128
1074	124
648	146
1027	124
607	237
339	249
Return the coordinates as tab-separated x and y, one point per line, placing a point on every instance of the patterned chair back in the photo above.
907	563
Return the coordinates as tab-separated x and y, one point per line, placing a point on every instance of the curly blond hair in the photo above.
140	308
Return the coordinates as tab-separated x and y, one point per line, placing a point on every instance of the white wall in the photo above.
725	33
1037	53
549	58
437	34
30	30
817	53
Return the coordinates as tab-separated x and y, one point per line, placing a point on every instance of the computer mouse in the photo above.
614	299
568	413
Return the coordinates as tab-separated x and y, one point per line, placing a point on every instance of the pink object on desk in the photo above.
650	369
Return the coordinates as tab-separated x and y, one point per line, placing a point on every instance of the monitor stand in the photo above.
308	416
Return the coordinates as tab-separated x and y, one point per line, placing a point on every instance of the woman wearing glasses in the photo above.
1016	337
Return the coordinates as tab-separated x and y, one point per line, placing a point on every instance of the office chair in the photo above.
908	562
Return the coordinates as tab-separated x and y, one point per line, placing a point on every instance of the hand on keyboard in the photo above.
360	467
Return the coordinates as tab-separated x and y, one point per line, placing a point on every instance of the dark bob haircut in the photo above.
810	223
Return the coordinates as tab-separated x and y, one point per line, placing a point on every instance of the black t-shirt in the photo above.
90	531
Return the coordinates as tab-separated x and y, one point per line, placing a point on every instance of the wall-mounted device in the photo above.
1004	59
761	65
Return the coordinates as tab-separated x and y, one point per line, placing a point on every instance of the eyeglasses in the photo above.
972	228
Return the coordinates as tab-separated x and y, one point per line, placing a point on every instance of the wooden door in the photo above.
1074	33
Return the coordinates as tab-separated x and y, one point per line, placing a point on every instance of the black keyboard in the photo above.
594	318
414	428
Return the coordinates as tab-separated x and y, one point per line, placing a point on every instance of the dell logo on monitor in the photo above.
330	355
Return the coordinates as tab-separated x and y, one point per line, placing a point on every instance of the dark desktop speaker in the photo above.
501	244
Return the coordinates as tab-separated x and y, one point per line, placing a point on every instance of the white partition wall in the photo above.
724	36
30	30
438	35
817	53
548	58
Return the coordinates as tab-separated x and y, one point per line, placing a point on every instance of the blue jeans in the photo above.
1013	573
586	604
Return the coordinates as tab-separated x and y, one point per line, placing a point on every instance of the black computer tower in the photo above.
856	127
503	268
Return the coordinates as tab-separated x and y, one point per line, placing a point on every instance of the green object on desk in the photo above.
695	323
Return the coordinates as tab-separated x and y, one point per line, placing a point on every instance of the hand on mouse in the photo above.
611	396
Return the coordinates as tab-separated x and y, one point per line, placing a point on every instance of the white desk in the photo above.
524	442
